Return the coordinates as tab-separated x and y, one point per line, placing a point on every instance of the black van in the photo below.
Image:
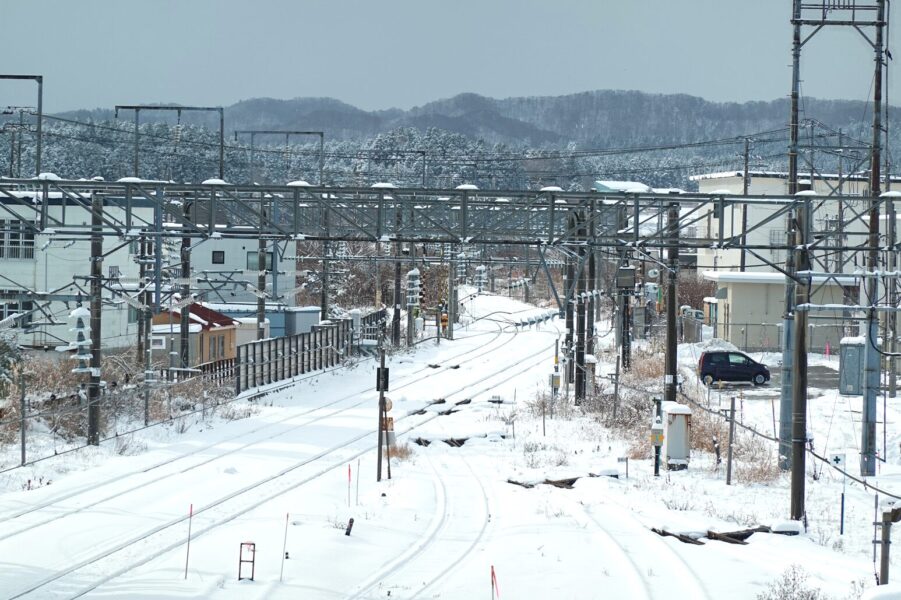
724	365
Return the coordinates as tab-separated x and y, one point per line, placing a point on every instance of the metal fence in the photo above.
267	361
371	325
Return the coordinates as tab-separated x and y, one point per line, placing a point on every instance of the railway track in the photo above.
141	548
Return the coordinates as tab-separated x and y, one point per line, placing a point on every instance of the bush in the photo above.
401	453
791	586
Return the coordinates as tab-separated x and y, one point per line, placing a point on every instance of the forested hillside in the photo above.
507	143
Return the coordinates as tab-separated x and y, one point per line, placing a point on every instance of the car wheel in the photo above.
708	379
759	379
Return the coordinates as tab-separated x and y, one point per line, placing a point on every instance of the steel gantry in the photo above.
618	228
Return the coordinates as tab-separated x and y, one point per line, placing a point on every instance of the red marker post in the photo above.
348	485
495	592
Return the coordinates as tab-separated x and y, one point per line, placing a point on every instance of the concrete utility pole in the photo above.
185	315
871	352
799	363
744	207
261	274
96	306
395	317
671	372
569	286
788	318
592	281
579	298
451	296
888	517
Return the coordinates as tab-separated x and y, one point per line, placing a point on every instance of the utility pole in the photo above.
799	362
672	250
788	326
451	296
96	306
569	287
579	298
185	315
744	207
871	352
788	318
382	381
395	318
261	276
592	281
892	317
142	272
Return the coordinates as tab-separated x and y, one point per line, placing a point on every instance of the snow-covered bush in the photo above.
791	586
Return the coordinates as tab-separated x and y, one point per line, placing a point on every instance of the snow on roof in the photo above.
710	300
242	307
249	321
466	186
674	408
176	328
298	183
551	188
778	175
214	181
625	186
769	277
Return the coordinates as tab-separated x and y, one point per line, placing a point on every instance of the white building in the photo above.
227	270
58	260
837	213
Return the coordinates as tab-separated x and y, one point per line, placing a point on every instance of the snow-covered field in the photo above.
292	475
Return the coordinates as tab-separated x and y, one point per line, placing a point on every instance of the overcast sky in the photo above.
378	54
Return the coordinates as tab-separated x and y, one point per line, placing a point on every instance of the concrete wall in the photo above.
225	278
54	260
751	316
775	231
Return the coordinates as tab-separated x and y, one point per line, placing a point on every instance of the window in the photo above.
132	314
253	262
10	305
218	257
717	359
737	359
221	346
16	239
212	355
114	272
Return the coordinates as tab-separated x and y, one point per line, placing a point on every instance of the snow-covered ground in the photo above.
293	473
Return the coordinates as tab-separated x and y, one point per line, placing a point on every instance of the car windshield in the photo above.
739	359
